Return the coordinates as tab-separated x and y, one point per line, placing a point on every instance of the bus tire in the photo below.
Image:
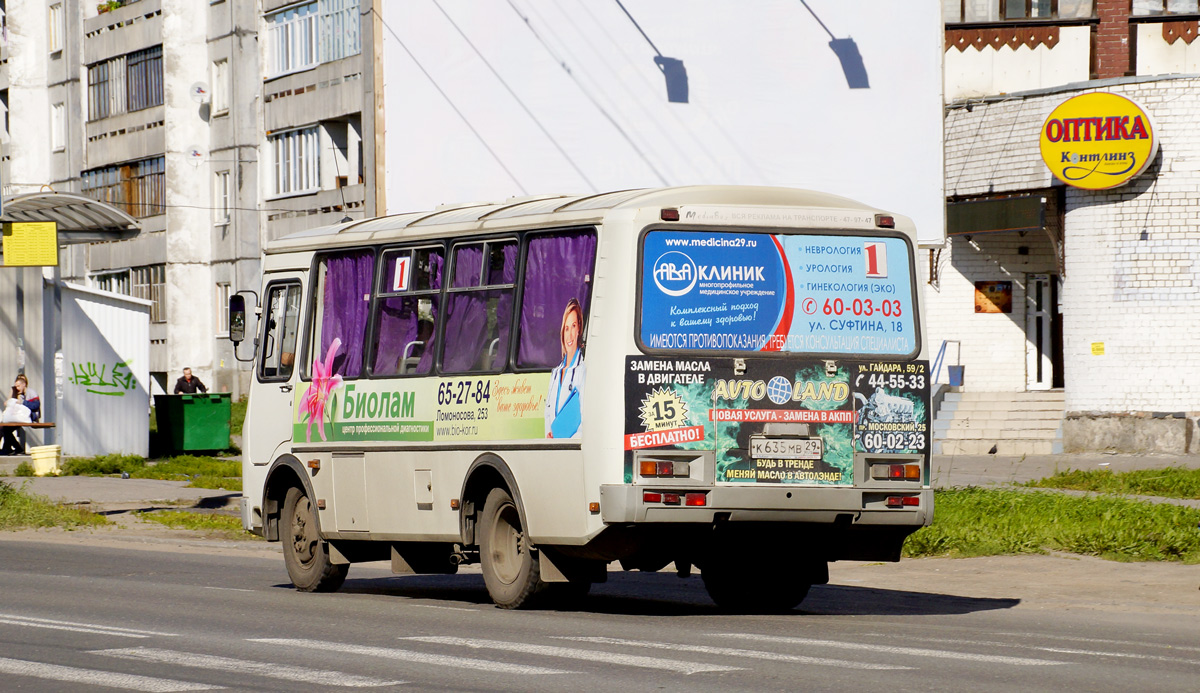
304	553
510	569
738	589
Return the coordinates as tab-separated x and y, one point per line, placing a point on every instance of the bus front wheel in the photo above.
510	569
304	554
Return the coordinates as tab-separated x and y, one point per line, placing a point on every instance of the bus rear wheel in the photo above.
510	568
304	554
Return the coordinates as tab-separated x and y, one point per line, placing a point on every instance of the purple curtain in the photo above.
479	321
555	268
398	318
504	305
346	308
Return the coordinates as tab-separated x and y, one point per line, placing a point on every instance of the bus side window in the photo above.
406	312
479	307
343	308
279	335
558	268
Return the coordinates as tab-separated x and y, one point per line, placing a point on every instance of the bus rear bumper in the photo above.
624	504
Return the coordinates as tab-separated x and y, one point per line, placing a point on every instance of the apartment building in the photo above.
1072	297
218	124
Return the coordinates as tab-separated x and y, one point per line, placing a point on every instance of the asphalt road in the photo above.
167	615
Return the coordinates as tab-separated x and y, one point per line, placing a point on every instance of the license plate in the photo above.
786	448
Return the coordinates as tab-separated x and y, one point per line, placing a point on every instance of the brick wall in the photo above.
1132	257
1112	39
993	344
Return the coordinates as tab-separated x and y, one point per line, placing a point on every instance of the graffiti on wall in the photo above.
101	379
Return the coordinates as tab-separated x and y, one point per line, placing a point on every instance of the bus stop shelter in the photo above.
82	350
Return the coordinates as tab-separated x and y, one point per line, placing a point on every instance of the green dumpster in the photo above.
193	422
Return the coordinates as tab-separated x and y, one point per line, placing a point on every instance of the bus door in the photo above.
276	375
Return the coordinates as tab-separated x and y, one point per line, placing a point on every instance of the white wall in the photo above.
983	72
487	100
1156	57
106	373
1140	297
993	344
189	244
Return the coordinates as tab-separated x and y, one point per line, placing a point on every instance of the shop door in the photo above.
1043	333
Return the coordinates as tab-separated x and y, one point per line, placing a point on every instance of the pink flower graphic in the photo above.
317	394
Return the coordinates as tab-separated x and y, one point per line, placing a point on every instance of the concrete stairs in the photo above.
1016	423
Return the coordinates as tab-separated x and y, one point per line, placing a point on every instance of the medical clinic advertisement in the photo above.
794	293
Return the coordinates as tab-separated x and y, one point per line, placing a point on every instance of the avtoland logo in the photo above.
675	273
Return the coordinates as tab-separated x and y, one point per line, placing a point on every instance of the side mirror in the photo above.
237	318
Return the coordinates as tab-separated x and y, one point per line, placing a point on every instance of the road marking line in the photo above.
576	653
227	589
13	619
1129	655
891	649
447	608
93	677
242	666
486	665
1026	646
735	652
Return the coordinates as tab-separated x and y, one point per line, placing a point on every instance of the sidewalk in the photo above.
114	493
947	470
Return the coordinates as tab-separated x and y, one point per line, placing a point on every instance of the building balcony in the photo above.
1005	58
132	27
1167	45
126	137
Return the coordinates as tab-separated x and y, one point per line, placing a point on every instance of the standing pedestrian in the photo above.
188	384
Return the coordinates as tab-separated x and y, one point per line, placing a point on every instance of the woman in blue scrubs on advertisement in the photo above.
563	414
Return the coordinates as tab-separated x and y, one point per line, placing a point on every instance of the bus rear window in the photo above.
805	293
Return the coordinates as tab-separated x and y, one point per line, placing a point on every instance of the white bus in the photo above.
731	378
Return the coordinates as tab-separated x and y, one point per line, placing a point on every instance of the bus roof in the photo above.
546	210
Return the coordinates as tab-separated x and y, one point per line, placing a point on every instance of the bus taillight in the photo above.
885	221
664	468
902	501
896	472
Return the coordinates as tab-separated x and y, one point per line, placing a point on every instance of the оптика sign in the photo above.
1098	141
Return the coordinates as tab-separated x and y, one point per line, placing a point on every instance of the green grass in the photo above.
1171	482
201	471
204	522
990	522
237	416
21	510
23	469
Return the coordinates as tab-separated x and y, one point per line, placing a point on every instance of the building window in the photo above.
295	155
145	78
112	282
293	36
222	309
221	198
317	32
220	87
58	127
148	283
965	11
339	29
139	187
125	83
55	27
1155	7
